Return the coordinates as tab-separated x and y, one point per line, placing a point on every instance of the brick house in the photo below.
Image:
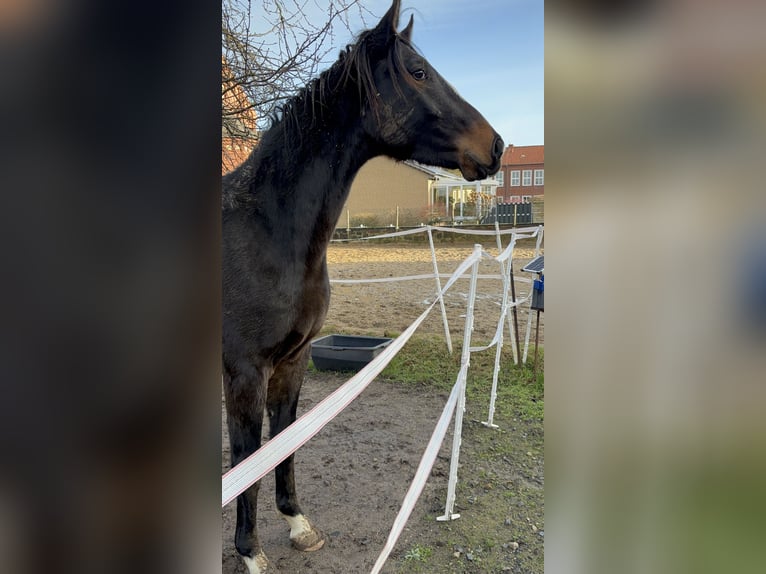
238	129
522	174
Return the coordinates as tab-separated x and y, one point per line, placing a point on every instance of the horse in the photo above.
280	208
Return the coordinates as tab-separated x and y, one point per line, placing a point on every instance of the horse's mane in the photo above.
353	67
311	104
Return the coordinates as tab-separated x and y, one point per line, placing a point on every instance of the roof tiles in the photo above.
523	155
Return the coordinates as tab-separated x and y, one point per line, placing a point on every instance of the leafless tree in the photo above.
272	48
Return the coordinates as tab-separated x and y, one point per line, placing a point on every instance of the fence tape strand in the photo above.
266	458
521	232
421	476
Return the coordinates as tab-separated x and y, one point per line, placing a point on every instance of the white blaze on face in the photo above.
257	565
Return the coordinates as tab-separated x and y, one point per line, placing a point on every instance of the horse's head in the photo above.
411	112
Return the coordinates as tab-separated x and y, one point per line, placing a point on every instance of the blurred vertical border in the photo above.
656	273
110	386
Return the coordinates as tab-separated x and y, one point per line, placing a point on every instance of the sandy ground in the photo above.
384	308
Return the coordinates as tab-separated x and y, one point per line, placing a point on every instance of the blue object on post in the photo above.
538	294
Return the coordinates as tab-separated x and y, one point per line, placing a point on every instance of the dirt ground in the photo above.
352	477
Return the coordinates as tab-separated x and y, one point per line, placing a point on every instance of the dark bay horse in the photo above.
280	208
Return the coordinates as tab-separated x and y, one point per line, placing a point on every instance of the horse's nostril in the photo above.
498	147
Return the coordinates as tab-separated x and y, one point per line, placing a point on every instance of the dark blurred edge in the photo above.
656	287
110	180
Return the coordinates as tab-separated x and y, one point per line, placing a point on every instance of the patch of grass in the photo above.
425	360
418	553
500	484
499	494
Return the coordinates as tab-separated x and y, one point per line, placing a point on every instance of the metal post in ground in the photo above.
537	338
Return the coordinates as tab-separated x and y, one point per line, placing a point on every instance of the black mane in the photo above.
351	68
313	105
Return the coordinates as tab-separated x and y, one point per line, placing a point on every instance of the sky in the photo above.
491	51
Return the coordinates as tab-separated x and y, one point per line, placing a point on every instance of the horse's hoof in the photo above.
258	564
310	542
304	536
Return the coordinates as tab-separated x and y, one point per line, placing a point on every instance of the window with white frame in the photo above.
499	178
539	176
515	181
526	198
515	198
526	177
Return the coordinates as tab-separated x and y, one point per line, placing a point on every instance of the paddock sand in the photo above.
352	477
382	309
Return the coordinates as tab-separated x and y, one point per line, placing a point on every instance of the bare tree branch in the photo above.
270	53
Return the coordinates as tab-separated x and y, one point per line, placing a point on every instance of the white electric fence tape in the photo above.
260	463
421	476
440	297
457	398
266	458
418	278
519	231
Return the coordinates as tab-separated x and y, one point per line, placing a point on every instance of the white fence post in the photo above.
439	291
465	361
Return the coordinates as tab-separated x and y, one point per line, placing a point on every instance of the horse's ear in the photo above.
387	25
407	32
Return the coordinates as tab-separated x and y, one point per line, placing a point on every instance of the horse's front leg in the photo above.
282	403
245	392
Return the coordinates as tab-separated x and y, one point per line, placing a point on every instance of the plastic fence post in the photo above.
439	291
465	361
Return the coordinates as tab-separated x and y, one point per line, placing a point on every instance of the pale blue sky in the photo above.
490	50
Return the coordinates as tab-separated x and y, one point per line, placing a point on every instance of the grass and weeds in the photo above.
426	361
418	553
500	482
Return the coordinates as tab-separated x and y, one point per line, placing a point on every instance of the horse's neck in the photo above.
322	164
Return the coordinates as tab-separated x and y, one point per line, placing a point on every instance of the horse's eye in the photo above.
419	75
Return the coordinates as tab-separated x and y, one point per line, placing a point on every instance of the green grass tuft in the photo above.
425	361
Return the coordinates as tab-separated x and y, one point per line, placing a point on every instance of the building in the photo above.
522	174
387	192
238	127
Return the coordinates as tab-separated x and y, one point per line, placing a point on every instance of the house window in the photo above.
515	199
539	176
526	177
499	178
500	199
515	178
526	198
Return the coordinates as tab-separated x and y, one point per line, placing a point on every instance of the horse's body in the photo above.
279	211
